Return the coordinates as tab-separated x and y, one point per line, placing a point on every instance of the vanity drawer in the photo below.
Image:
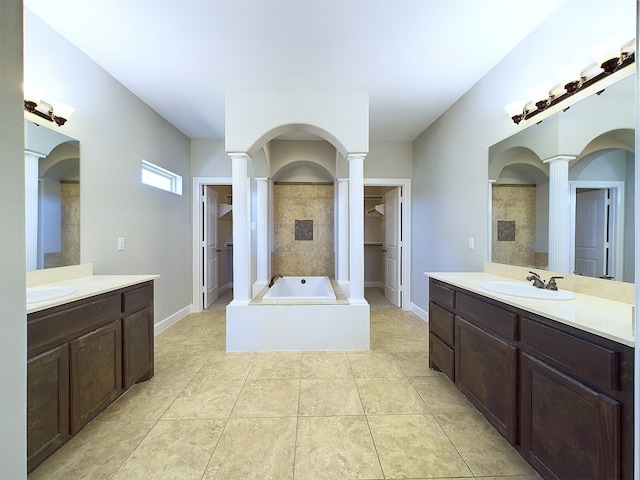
49	328
489	317
593	364
442	295
441	356
137	298
441	323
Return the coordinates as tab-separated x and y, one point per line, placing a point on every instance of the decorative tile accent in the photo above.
304	229
506	231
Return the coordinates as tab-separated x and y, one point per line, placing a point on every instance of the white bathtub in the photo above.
300	290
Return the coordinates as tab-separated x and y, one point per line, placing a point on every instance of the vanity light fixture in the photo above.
574	80
54	112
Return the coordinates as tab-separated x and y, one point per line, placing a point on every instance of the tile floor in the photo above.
208	415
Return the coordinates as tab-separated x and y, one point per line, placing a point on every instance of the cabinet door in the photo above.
486	372
47	404
137	346
568	430
96	373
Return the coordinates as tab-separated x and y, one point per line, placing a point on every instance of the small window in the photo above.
158	177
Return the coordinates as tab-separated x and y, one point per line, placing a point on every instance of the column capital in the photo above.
31	153
356	156
238	155
560	158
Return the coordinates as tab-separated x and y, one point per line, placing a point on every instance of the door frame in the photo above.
616	220
405	231
197	229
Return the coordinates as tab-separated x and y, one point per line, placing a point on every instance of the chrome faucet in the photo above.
537	281
274	278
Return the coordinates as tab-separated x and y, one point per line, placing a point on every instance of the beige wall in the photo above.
303	257
70	218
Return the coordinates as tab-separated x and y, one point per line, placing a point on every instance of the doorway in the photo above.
597	229
386	247
213	243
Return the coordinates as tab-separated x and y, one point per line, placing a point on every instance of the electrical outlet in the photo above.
472	243
120	243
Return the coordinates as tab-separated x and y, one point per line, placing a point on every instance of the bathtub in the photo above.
300	290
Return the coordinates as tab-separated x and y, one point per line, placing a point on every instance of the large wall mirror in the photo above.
53	209
599	132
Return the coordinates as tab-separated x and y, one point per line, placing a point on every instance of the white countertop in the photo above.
602	317
88	287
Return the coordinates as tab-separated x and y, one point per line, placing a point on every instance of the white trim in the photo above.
162	325
420	312
196	225
374	285
616	248
405	183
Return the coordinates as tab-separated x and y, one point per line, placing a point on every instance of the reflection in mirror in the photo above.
596	137
52	170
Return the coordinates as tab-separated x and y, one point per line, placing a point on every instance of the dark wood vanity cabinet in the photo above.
563	397
81	357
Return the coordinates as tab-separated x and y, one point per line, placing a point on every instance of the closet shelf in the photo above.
376	211
224	209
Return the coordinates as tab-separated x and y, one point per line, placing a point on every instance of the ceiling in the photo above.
415	58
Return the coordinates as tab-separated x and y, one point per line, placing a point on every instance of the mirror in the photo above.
55	214
599	132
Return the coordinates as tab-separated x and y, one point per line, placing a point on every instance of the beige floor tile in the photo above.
482	447
414	364
442	396
268	398
96	451
177	369
375	343
325	365
276	365
335	448
329	396
254	449
174	449
227	366
388	396
204	398
414	446
374	364
406	342
144	401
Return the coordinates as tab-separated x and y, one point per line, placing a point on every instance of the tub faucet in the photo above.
537	281
274	278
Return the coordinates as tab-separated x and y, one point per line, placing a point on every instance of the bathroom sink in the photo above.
519	289
49	292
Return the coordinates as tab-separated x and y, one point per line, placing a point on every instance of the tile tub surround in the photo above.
605	318
316	411
303	229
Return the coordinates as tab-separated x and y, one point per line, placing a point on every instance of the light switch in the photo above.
120	243
471	243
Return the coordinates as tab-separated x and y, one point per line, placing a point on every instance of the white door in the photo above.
591	233
210	244
392	246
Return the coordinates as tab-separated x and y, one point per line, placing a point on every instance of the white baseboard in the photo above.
374	285
162	325
226	287
423	314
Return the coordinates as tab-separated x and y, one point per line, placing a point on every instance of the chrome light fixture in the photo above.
54	112
574	80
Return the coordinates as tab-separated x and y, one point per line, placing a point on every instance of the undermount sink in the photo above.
49	292
519	289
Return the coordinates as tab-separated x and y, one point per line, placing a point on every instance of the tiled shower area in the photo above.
303	219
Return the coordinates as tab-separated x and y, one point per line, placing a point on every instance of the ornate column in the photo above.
560	248
262	234
356	227
241	189
342	232
31	164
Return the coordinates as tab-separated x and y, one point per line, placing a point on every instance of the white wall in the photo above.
209	159
389	160
116	131
450	158
13	325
